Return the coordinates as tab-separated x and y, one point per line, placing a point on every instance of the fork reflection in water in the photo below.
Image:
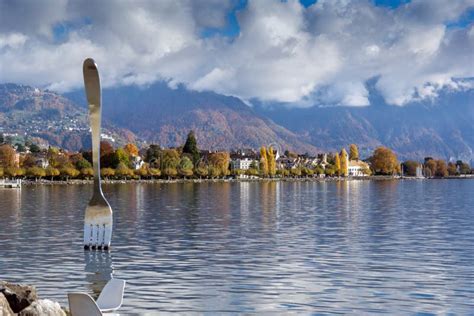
99	270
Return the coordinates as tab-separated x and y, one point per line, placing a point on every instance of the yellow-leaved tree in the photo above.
263	161
344	163
353	152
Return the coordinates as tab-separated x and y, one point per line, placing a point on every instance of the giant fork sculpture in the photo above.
98	219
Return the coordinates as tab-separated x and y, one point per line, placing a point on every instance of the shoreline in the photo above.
164	181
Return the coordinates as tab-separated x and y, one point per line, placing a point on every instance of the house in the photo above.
136	162
356	168
242	163
42	163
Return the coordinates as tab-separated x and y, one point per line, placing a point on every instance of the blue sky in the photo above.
292	51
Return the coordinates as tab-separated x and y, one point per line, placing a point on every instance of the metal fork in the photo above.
98	219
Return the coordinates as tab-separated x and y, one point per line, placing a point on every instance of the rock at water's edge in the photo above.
43	307
19	296
5	309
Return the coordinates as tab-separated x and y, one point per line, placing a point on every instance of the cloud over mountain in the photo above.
283	51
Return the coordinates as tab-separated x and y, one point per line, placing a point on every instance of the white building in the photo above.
241	163
137	162
356	168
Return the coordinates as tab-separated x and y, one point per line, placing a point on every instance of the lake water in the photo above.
358	247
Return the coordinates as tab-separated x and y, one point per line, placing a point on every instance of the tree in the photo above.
131	149
295	172
170	159
337	164
2	139
105	148
186	167
271	161
409	168
220	160
20	148
263	162
153	153
69	172
202	170
123	171
36	172
214	172
52	172
384	161
464	168
34	149
430	167
107	172
330	170
1	171
28	161
87	172
441	168
353	152
452	169
143	172
154	172
122	157
7	156
14	172
307	172
344	163
170	172
190	147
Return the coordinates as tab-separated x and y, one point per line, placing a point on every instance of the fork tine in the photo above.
87	235
100	238
107	236
95	232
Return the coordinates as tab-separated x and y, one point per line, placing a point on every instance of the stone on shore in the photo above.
5	309
43	307
19	296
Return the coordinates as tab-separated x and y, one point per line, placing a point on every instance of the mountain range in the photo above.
441	127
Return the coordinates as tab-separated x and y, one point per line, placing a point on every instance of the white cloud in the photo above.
284	52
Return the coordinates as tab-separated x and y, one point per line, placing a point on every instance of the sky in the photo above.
292	52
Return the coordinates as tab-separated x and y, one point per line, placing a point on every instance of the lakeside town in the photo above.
31	162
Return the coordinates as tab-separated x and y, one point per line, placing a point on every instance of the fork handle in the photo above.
92	87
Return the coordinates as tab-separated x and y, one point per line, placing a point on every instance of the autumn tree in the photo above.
87	172
107	172
353	152
430	167
36	172
131	149
271	161
190	147
441	168
52	172
170	158
384	161
409	168
263	161
186	167
452	169
344	163
123	171
337	164
202	170
7	156
69	172
220	160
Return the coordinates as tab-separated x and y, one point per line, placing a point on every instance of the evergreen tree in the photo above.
344	163
190	147
353	152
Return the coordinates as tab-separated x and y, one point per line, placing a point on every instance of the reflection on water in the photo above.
336	247
99	270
